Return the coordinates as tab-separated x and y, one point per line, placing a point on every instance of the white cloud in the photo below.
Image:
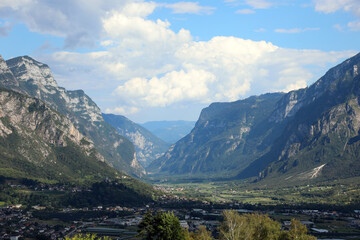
134	32
14	4
140	71
69	19
174	87
225	69
144	63
122	110
330	6
189	7
137	9
245	11
295	30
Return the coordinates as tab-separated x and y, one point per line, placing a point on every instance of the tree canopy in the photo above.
162	226
166	226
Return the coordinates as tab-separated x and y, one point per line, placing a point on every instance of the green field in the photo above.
343	192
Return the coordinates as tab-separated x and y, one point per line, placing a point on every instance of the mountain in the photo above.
30	77
38	142
227	137
148	147
311	134
321	139
169	131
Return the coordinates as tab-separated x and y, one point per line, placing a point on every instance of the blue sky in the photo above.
166	60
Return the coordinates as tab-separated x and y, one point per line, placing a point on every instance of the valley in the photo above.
188	202
342	193
66	168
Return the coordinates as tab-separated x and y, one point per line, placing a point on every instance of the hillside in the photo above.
27	76
321	141
148	147
227	137
310	134
39	143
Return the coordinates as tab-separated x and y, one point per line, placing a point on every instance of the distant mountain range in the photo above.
32	78
169	131
310	134
148	147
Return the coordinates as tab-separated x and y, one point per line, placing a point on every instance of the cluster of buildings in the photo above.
16	223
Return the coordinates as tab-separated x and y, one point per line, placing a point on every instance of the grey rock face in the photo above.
311	132
35	79
148	147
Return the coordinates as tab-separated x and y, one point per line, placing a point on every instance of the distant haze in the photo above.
170	131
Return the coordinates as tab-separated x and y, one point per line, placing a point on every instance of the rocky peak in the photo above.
27	69
31	72
36	80
294	100
82	104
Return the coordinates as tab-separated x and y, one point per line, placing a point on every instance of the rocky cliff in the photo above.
321	141
28	76
40	143
148	147
226	138
311	133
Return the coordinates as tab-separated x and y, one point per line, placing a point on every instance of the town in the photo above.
38	222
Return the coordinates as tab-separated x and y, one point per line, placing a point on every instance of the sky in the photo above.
167	60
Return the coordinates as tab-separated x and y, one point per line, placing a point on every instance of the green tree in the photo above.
162	226
232	228
201	234
297	231
258	227
146	228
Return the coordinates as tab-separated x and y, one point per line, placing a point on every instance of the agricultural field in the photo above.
339	192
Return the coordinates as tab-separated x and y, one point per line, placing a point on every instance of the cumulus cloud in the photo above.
174	87
225	69
68	19
329	6
188	7
144	63
295	30
122	110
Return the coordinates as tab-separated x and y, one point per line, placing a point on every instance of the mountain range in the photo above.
309	134
32	78
148	146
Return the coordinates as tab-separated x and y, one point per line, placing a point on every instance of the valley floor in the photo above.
338	192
